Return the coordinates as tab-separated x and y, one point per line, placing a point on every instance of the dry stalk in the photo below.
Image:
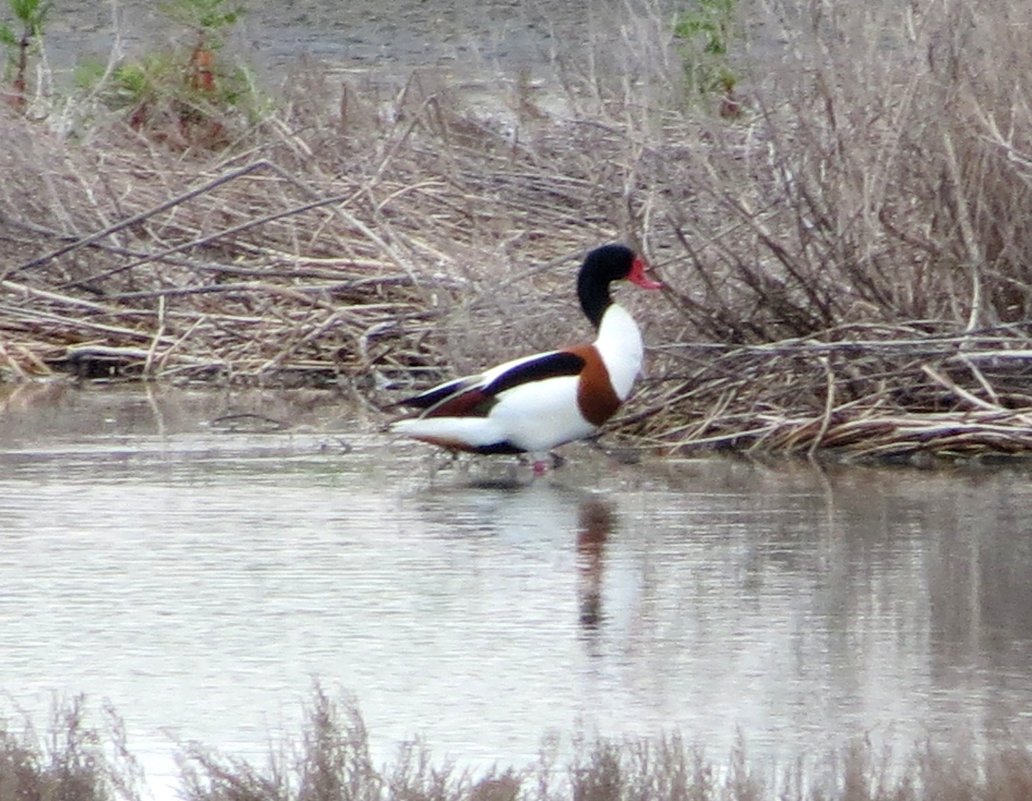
888	397
847	261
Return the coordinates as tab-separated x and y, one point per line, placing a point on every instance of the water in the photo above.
480	50
361	34
201	577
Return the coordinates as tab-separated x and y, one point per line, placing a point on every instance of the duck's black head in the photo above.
602	266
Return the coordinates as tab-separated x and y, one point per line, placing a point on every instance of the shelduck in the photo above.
533	404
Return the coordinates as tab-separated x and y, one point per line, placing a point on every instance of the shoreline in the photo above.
821	297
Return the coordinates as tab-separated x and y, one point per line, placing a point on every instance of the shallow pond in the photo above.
475	36
200	572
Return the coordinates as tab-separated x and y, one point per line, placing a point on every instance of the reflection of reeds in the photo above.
331	762
858	234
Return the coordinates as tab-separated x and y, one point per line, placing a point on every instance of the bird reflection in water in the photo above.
594	524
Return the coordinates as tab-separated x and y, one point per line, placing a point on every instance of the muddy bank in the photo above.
467	36
831	285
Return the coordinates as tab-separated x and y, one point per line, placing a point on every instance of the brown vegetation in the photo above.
331	761
849	258
71	761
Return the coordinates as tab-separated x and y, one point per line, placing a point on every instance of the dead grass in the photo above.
330	761
849	262
861	391
71	761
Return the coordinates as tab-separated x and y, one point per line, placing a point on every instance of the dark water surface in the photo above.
199	574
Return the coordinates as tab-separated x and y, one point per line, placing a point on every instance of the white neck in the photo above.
619	343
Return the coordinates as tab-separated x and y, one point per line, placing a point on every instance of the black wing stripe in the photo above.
550	365
435	395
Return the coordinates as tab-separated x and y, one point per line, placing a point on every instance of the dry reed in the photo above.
848	261
856	392
72	760
330	760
